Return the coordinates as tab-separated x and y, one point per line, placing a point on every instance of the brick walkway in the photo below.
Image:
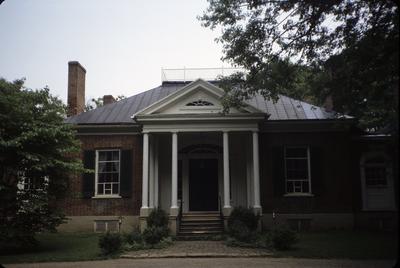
197	249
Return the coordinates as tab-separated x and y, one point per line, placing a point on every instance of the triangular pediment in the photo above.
198	97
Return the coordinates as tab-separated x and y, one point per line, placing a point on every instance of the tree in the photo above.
339	43
38	152
98	102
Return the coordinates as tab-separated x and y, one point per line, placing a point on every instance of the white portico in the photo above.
197	158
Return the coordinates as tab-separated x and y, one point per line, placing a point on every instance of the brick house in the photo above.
170	147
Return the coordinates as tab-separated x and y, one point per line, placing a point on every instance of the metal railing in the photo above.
190	74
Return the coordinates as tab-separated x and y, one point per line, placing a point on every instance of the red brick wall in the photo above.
336	195
76	205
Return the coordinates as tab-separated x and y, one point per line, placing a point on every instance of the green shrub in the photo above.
153	235
244	215
157	218
134	237
240	231
165	242
242	224
282	238
110	243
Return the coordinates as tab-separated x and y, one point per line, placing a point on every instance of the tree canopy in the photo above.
38	152
98	102
344	49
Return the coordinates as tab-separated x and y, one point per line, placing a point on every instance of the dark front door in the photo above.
203	184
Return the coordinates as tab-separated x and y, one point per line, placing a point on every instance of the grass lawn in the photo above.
344	245
57	247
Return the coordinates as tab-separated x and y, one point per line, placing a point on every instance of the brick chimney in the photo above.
76	88
107	99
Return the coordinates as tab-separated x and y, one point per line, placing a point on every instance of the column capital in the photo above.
255	131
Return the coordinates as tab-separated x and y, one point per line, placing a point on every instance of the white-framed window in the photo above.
377	181
375	172
297	170
103	226
108	172
27	183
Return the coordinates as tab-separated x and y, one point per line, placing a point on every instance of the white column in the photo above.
256	171
174	192
156	173
151	172
145	186
227	195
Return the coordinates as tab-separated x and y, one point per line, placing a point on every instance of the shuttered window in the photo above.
108	172
112	176
297	170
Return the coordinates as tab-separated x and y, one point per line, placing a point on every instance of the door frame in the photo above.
185	175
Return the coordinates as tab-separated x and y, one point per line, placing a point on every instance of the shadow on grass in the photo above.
344	245
56	247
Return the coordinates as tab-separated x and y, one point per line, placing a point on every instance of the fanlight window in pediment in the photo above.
199	103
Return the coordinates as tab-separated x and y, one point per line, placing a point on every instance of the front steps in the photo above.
200	225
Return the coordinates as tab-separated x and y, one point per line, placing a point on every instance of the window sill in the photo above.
106	197
298	195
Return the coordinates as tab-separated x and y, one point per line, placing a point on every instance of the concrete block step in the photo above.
200	219
201	228
199	232
207	223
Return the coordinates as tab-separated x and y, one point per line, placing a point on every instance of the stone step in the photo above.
202	219
201	222
194	237
201	214
199	232
199	228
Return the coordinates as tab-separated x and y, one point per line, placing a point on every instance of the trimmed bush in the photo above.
244	215
110	243
134	237
240	231
157	218
153	234
282	238
242	224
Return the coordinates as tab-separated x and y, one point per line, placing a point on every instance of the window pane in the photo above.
115	188
100	188
115	156
375	176
109	177
108	172
109	167
306	186
109	156
289	187
296	152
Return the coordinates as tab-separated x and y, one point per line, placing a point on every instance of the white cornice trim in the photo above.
199	83
198	127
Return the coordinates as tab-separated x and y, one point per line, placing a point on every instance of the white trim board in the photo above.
199	84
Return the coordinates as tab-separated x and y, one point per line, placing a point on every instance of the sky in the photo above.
123	44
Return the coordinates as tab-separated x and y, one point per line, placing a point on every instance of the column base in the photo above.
258	211
173	225
173	211
226	211
173	220
144	213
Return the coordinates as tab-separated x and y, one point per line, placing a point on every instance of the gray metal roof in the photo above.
120	112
